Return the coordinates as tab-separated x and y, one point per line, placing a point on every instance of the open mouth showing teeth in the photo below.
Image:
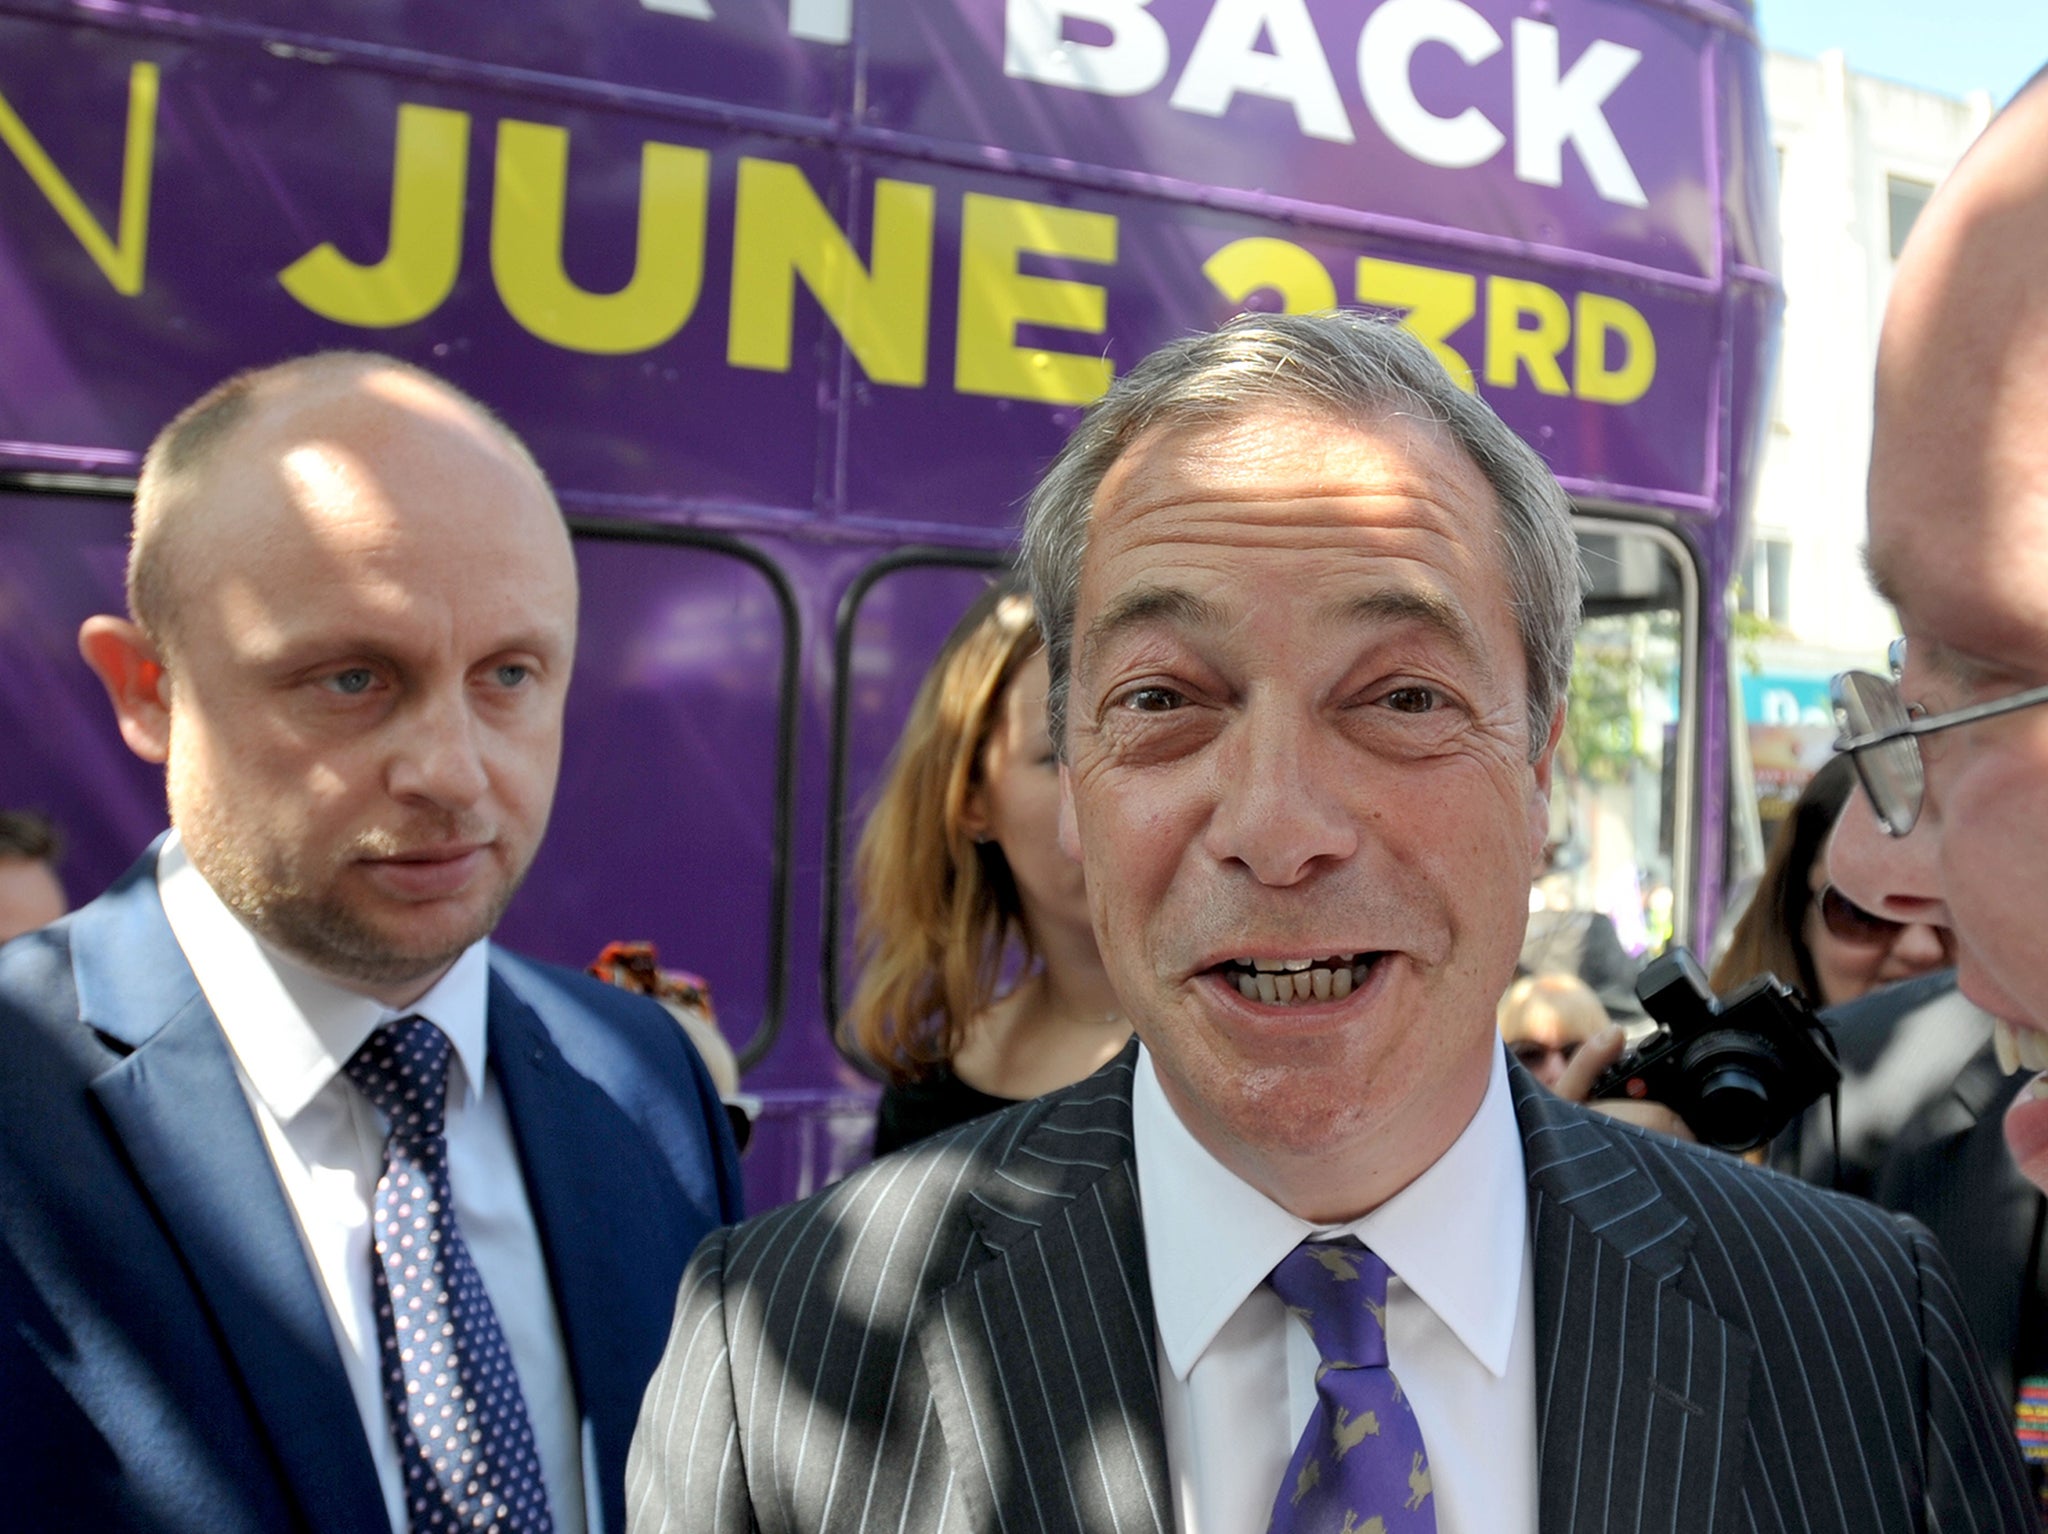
2019	1047
1293	981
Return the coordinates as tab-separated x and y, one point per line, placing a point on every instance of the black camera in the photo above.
1736	1070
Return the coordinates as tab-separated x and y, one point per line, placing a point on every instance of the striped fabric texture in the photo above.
960	1338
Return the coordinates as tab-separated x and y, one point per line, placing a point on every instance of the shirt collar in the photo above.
291	1028
1211	1238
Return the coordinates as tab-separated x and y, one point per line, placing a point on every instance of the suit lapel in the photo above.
599	1207
1641	1391
1042	1356
178	1109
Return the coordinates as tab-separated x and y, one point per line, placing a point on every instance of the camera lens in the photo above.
1734	1108
1733	1071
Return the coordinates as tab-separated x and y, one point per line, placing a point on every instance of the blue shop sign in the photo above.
1787	700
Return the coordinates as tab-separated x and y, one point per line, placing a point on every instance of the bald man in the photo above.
1953	753
316	1210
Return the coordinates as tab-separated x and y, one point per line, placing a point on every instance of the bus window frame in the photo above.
1689	738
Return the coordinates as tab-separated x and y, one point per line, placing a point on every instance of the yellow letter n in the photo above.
784	232
121	259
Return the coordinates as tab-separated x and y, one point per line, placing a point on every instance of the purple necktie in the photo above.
457	1413
1360	1465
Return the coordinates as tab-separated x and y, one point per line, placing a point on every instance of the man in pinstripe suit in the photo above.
1309	612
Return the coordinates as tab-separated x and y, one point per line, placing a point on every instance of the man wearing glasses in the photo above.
1952	748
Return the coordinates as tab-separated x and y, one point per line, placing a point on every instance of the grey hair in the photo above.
1352	368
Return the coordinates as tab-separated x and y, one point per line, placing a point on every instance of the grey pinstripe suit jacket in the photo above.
960	1337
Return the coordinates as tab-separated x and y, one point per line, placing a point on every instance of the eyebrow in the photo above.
1423	609
1142	606
1880	581
316	650
1145	605
1944	660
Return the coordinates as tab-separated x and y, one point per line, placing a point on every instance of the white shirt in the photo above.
292	1031
1237	1373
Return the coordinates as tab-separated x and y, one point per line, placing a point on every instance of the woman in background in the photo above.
1806	932
1545	1018
962	883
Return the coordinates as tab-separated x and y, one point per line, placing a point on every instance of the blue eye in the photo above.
512	675
353	682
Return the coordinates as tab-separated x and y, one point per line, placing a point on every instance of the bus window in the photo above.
1629	752
685	681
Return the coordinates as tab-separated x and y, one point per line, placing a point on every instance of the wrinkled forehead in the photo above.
1280	452
1209	504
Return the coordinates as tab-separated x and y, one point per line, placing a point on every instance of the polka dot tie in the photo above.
1360	1466
464	1439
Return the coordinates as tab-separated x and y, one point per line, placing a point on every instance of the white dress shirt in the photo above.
1237	1373
292	1031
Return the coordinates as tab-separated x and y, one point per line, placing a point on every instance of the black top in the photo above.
907	1114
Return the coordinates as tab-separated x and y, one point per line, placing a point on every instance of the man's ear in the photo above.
1539	789
1070	828
128	666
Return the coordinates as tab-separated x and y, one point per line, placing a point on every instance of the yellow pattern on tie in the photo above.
1338	1291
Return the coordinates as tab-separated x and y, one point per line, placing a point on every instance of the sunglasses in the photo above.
1881	732
1530	1053
1847	920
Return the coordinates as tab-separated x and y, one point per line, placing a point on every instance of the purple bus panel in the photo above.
61	561
1584	126
576	268
794	299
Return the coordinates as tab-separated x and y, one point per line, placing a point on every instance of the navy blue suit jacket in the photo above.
166	1362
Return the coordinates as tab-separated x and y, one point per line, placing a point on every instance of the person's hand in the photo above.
1593	1057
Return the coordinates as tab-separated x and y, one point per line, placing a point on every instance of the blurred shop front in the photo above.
1791	733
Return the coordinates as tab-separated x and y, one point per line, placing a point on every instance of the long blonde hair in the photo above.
938	910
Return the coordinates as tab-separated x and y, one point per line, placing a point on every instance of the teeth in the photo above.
1279	982
2019	1048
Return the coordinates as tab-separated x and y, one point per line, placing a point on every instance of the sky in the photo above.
1953	46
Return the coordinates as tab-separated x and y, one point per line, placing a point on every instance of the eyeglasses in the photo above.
1848	921
1881	732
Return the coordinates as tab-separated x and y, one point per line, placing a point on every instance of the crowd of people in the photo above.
1228	1173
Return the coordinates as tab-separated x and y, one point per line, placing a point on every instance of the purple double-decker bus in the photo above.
793	298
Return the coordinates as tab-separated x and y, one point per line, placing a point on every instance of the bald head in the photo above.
1962	377
252	426
355	625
